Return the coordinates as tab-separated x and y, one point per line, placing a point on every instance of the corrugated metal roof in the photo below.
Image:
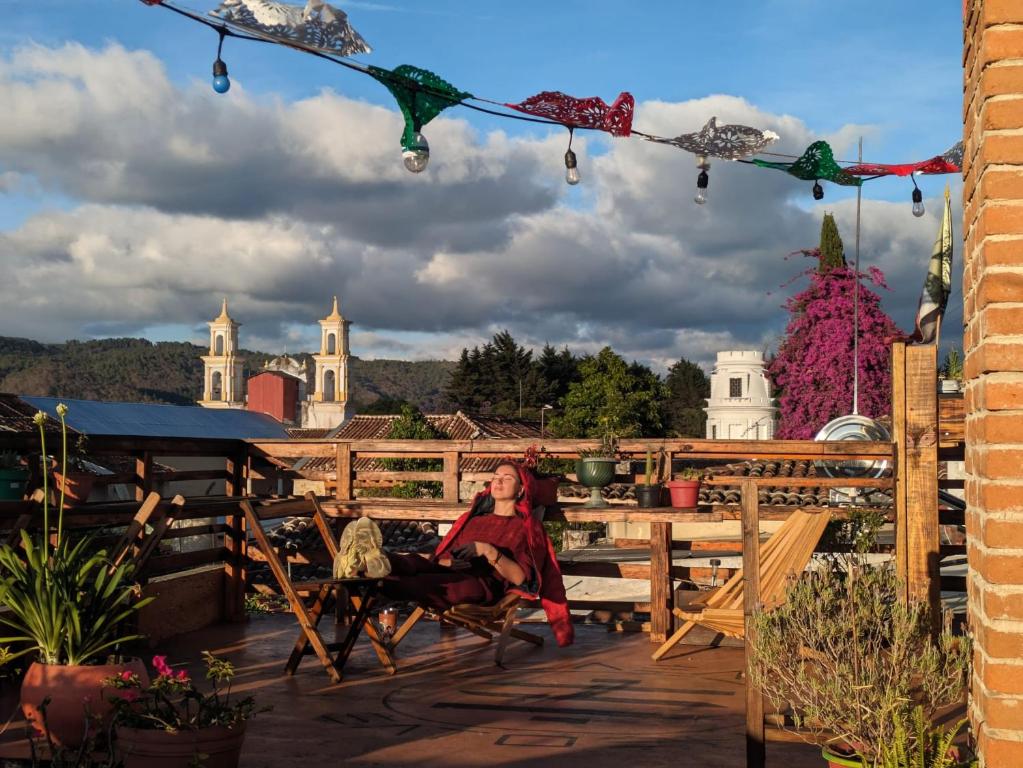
95	417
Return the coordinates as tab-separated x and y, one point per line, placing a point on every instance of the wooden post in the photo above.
143	475
756	752
343	464
662	596
921	473
899	451
234	540
451	476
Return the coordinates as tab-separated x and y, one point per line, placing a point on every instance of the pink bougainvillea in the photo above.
813	369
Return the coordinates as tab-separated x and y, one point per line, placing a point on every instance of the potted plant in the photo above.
648	495
857	664
65	608
595	468
13	476
546	489
169	723
685	488
951	372
73	476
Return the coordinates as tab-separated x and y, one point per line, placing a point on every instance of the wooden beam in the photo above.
451	477
343	465
143	475
662	596
899	440
756	751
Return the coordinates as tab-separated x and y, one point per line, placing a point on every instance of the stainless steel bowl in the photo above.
854	428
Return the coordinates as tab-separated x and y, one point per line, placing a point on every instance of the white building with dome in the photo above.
740	406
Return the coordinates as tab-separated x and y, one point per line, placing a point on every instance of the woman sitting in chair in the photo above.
498	546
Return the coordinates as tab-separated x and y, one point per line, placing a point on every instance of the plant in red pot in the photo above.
66	607
685	488
169	723
73	476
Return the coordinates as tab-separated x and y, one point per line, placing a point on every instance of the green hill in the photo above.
137	370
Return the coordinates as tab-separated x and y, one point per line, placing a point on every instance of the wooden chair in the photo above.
138	545
485	621
332	655
786	552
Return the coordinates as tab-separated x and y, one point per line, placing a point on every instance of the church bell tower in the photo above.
223	385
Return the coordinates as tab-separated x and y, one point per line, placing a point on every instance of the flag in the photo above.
937	284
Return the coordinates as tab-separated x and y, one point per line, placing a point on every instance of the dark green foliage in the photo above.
687	389
385	406
502	378
832	252
412	425
611	397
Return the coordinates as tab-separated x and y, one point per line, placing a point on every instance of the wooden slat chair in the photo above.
320	590
785	553
485	621
137	544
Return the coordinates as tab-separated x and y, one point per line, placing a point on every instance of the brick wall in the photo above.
993	340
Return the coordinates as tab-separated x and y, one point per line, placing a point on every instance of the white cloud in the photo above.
183	197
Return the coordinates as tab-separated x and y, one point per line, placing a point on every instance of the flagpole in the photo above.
856	300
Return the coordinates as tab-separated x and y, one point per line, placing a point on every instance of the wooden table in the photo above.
662	596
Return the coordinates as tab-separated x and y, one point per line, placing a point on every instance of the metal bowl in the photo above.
854	427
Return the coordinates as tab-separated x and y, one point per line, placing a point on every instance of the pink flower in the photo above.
182	676
126	676
161	666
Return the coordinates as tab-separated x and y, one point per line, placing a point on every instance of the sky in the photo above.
133	198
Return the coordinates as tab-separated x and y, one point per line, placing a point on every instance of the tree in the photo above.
687	389
384	406
611	397
500	378
814	366
832	252
557	371
412	425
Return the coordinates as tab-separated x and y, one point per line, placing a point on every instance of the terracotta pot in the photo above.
683	492
77	486
545	491
648	496
836	759
71	689
219	746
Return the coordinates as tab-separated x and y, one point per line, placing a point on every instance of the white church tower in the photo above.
740	405
223	385
326	407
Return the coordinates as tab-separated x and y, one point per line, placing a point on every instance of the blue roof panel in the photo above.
96	417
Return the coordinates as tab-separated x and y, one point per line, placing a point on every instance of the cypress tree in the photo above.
832	254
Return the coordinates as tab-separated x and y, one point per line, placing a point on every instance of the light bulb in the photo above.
702	181
918	203
417	154
221	83
818	191
571	168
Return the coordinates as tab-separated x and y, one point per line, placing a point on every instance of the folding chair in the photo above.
136	545
787	551
308	616
482	620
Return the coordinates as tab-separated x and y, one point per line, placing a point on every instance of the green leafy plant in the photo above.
688	473
853	658
920	746
172	702
65	602
952	368
608	448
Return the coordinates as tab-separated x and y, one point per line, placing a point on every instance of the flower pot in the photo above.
77	486
217	746
648	496
72	689
839	760
595	473
545	490
12	483
683	492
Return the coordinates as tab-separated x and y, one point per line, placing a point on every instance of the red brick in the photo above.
1000	12
1004	185
1002	149
1001	753
1002	395
1003	678
1003	114
998	606
1002	219
997	320
1002	253
1000	43
998	644
995	81
1000	497
1001	464
1003	713
999	286
1005	534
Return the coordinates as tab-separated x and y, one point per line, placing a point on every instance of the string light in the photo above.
571	164
918	200
221	82
703	180
818	191
417	154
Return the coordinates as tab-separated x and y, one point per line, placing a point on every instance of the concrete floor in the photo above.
599	702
